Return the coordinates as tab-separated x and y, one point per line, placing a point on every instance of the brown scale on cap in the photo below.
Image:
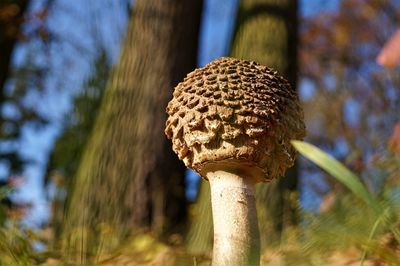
235	113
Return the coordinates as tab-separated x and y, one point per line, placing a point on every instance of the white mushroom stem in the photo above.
236	234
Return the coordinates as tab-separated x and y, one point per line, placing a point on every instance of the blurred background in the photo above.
88	177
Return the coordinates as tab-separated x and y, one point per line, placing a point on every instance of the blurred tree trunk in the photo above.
129	179
266	31
199	239
11	19
67	151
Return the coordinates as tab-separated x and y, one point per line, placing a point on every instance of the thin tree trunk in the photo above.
10	26
129	179
266	31
199	239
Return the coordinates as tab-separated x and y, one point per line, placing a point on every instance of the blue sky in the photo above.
103	23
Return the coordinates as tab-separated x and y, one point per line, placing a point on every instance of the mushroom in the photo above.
232	121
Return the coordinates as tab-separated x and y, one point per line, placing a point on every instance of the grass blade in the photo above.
337	170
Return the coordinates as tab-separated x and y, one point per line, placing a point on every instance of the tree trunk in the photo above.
199	239
11	19
266	31
129	179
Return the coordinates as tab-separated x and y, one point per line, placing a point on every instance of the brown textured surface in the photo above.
237	112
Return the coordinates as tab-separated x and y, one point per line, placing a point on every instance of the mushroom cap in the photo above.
237	115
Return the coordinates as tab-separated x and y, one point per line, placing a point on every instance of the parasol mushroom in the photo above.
232	121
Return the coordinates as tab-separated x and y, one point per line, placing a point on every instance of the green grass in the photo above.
384	214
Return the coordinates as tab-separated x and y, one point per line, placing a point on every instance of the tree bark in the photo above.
129	179
266	31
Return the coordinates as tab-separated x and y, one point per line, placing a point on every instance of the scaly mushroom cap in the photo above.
235	113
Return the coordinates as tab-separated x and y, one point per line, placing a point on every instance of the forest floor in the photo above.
146	251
